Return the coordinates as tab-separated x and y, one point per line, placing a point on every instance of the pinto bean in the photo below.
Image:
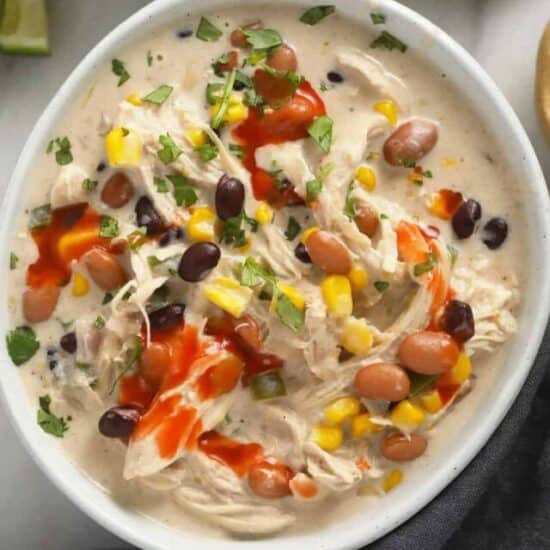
384	381
104	269
411	141
428	352
39	303
367	220
117	191
270	480
283	59
400	448
154	362
328	253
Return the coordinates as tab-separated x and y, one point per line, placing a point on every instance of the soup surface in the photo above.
263	256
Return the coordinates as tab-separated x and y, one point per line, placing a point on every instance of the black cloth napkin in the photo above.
502	499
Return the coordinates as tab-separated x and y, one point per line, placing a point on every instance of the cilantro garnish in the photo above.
118	68
63	155
232	232
389	42
108	227
13	260
170	151
293	228
263	39
99	322
89	185
312	16
184	194
224	103
381	285
22	344
378	18
160	184
49	422
40	216
321	132
207	32
426	266
160	95
206	152
349	205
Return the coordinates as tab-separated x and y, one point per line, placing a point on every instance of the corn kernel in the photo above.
80	285
235	112
342	409
357	336
329	438
293	294
431	401
362	425
196	136
388	108
308	232
458	373
228	294
366	177
407	416
201	224
444	203
392	480
134	99
358	277
336	290
264	213
71	244
448	163
123	147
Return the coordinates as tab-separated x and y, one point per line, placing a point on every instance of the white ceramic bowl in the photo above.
395	508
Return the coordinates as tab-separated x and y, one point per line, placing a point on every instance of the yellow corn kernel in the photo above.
362	425
431	401
123	147
264	213
235	112
448	163
201	224
459	373
71	244
80	285
392	480
388	108
329	438
293	294
336	290
357	336
358	277
342	409
228	294
366	177
308	232
134	99
407	416
196	136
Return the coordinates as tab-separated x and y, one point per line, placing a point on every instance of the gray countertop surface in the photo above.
501	34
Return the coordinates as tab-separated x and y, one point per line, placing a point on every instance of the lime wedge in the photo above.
24	27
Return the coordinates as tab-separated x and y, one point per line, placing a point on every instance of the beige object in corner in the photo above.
543	82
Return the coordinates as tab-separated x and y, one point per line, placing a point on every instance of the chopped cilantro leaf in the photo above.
184	194
426	266
99	322
244	79
407	163
63	155
312	16
107	298
108	227
89	185
49	422
378	18
22	344
149	58
253	273
160	95
160	184
349	205
118	68
321	132
292	228
263	39
381	285
213	92
206	152
288	313
13	260
207	32
40	216
237	150
389	42
170	151
313	188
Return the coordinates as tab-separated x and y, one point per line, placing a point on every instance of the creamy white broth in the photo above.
466	158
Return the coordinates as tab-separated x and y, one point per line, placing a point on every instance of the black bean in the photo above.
52	364
51	351
301	253
465	218
198	260
238	86
101	166
148	217
167	317
458	321
495	232
335	77
118	421
173	234
229	197
184	33
68	342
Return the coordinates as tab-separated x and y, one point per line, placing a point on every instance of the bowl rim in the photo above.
131	529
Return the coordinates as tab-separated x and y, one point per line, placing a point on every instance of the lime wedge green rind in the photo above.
24	27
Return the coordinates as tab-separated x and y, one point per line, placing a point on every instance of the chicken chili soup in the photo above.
263	255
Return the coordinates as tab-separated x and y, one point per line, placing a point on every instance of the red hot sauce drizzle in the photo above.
288	123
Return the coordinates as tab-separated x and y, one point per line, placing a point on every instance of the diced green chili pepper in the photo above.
267	386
